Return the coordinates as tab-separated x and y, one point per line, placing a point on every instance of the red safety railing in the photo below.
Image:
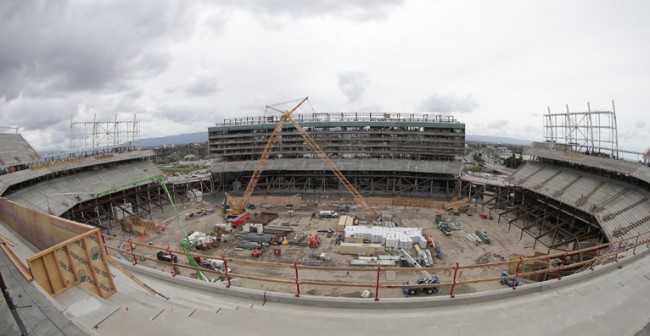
299	275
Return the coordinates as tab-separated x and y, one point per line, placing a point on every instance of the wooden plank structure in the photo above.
80	260
71	253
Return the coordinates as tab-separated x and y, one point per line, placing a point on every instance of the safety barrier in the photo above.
296	276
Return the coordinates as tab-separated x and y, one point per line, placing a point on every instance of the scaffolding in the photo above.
590	132
99	136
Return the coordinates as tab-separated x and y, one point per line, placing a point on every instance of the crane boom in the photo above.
332	166
237	207
414	263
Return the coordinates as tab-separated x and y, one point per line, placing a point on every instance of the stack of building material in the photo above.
259	237
390	236
249	227
222	227
278	230
135	224
373	261
361	249
195	195
344	222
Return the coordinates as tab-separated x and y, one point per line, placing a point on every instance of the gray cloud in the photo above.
353	84
53	48
185	113
447	104
640	124
282	11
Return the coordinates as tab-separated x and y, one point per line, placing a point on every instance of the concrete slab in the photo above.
40	315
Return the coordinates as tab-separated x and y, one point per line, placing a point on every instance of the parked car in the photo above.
164	256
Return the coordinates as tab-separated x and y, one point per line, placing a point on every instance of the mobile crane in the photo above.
237	207
426	279
330	164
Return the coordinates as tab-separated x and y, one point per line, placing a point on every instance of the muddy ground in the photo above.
456	249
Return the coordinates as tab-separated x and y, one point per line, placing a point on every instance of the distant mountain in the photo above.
496	140
180	139
199	137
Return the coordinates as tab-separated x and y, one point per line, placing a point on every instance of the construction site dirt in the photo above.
459	247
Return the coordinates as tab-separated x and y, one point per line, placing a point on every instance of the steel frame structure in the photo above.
548	221
99	211
96	136
378	183
590	132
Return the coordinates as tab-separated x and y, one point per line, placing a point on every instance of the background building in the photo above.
380	153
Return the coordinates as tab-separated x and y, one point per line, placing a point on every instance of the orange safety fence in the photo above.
558	264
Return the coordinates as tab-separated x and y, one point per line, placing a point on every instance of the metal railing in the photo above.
344	117
297	275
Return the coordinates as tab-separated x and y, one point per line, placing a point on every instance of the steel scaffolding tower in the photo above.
104	135
590	132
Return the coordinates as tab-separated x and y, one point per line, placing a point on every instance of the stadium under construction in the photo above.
579	210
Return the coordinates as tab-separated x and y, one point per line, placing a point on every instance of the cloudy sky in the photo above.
181	66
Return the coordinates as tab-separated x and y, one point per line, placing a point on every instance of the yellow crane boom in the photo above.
331	165
237	207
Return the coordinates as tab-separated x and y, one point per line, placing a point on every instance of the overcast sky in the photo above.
182	66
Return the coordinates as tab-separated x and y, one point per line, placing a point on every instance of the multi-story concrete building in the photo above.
380	153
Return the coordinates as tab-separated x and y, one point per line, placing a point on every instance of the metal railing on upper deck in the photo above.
344	117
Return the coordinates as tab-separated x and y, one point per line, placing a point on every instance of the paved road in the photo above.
615	303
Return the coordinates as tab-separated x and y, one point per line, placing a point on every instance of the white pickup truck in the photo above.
328	214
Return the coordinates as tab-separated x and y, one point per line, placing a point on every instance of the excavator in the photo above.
238	207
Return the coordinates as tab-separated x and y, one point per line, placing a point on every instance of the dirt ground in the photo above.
456	248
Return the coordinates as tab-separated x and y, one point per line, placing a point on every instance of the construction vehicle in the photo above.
164	256
445	228
507	280
328	214
213	264
343	208
426	278
314	241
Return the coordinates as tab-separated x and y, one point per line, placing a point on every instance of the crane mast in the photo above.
237	207
332	166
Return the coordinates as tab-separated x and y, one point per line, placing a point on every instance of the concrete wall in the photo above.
387	303
38	228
